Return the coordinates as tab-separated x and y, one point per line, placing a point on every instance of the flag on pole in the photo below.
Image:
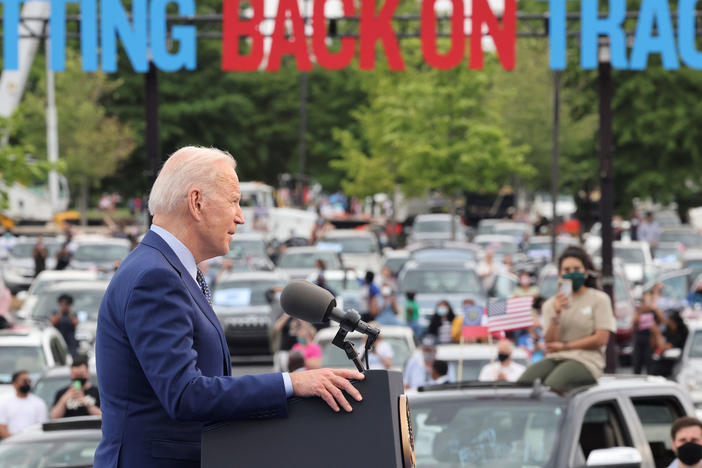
510	314
474	325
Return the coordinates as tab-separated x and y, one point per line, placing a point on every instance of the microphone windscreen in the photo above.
306	301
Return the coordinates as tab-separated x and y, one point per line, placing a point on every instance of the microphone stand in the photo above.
340	341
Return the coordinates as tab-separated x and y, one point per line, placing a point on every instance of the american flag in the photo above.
510	314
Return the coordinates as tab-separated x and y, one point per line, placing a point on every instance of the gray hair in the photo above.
188	167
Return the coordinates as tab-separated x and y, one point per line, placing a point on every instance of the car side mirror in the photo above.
672	353
615	457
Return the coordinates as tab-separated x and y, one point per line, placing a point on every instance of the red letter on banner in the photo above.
428	32
379	27
505	38
233	28
325	58
296	46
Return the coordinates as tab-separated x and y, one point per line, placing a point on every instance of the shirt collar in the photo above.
181	251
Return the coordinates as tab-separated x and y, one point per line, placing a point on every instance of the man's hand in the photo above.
327	384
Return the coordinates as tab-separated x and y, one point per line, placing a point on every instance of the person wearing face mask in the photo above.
525	287
686	434
305	334
504	370
441	322
578	327
80	398
21	410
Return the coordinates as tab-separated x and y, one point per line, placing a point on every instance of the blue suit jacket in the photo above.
163	366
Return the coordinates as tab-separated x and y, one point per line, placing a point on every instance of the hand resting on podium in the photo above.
328	385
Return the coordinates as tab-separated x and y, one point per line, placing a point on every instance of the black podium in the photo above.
376	434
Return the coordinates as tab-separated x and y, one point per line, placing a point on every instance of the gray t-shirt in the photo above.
590	311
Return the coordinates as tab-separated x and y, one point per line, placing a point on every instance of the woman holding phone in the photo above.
578	322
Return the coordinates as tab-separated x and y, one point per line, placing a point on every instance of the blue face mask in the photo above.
301	340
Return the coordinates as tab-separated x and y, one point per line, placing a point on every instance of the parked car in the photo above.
621	421
436	226
690	237
445	250
500	244
400	338
359	249
250	248
676	287
299	262
18	267
436	281
54	379
539	247
487	226
47	278
516	230
473	357
624	304
32	349
395	260
241	302
635	256
87	296
68	442
99	253
689	370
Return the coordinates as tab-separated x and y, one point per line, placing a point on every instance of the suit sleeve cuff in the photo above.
288	384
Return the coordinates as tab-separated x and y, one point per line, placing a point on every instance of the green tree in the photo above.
92	143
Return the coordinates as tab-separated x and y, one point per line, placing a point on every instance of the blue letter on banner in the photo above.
592	27
10	25
185	35
644	41
686	34
557	34
114	23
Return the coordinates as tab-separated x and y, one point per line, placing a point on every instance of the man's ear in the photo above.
195	203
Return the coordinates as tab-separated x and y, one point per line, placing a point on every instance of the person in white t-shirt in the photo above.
21	410
504	370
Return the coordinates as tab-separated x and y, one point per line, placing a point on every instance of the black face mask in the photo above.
26	388
690	453
502	357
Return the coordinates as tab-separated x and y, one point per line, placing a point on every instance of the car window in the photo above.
25	250
485	432
688	239
442	281
504	287
242	293
47	387
14	358
460	255
100	253
336	357
434	226
339	285
353	245
86	303
307	260
696	347
675	287
50	454
603	428
656	416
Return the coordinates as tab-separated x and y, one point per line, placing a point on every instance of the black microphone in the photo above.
311	303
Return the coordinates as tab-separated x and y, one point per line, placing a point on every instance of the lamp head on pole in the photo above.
604	54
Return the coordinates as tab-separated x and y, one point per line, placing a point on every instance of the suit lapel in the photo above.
154	240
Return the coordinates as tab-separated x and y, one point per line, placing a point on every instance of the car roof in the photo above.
77	286
92	240
504	238
347	233
248	236
452	352
439	244
432	216
388	331
254	276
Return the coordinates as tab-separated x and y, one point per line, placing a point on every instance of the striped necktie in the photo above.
203	286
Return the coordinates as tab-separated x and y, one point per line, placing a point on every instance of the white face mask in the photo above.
442	311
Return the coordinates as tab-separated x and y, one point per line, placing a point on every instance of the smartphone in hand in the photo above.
565	287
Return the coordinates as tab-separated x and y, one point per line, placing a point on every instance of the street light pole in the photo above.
607	187
153	142
554	159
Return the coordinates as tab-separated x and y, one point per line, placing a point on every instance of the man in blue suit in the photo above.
162	359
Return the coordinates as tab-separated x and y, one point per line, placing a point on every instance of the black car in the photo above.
69	442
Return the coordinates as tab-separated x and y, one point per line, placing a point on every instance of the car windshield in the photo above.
485	432
434	226
688	239
336	357
353	245
14	358
442	281
246	248
339	285
675	288
86	303
24	250
500	248
78	452
696	348
100	253
47	387
395	264
461	255
307	259
243	293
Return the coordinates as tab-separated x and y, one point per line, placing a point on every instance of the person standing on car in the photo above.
80	398
578	326
66	322
686	434
39	254
63	257
21	410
